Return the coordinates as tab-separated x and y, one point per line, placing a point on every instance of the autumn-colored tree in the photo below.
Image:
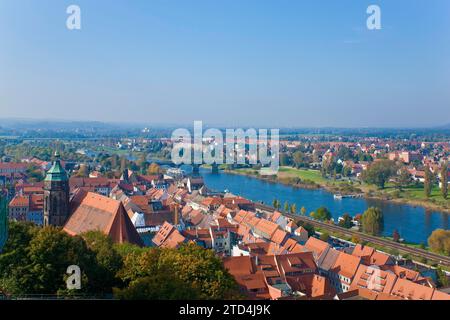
396	236
439	241
153	169
325	236
293	208
356	239
322	214
83	172
141	163
303	211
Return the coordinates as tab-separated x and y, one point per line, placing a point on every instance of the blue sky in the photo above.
247	62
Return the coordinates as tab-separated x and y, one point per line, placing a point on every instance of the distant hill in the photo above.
444	127
52	124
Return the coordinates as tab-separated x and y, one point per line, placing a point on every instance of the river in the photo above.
415	224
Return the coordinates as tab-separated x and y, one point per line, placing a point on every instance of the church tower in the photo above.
56	195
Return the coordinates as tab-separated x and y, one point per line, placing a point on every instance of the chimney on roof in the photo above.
256	260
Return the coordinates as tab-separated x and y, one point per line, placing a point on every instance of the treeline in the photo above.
35	260
380	172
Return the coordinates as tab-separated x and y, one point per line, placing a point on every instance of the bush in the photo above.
325	236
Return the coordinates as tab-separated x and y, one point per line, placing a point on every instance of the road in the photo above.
443	260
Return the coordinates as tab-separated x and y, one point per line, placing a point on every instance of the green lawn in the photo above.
248	171
111	150
417	193
304	174
289	172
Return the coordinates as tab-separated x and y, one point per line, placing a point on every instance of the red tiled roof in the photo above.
19	201
346	265
316	246
96	212
168	237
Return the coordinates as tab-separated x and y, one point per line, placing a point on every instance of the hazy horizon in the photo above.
308	64
205	124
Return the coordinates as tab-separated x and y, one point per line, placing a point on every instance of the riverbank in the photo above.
313	180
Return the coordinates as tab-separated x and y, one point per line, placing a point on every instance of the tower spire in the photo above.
56	194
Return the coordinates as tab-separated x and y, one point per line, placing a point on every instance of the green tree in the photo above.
285	159
347	171
429	180
200	270
344	153
159	286
35	260
276	204
34	174
404	178
442	278
379	172
300	159
444	180
308	227
108	262
329	166
372	221
346	221
286	207
3	220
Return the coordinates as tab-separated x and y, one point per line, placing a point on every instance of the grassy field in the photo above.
288	172
304	174
416	193
110	150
